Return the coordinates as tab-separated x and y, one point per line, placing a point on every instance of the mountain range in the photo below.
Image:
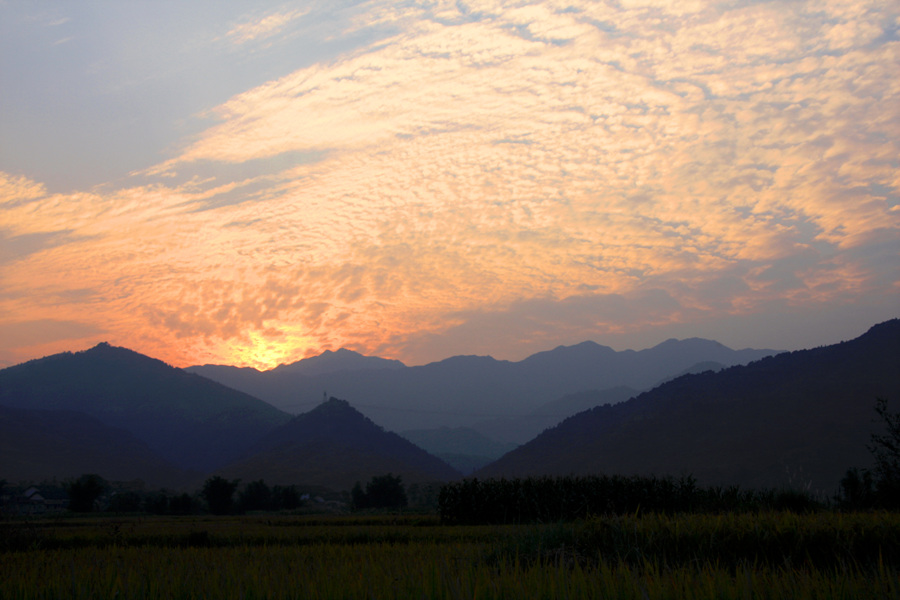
796	418
471	391
126	416
799	418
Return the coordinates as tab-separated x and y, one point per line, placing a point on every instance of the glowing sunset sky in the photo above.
252	183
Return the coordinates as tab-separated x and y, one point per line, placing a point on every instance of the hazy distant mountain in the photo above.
798	418
38	445
462	448
465	390
191	421
519	429
337	361
572	404
335	446
327	363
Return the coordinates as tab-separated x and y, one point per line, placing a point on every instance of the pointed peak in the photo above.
333	402
103	347
333	407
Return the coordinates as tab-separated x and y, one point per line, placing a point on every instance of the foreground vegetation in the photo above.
575	537
757	555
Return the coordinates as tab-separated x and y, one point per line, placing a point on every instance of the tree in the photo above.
181	505
386	491
255	496
218	493
857	490
886	447
358	497
285	497
865	489
157	504
124	502
84	492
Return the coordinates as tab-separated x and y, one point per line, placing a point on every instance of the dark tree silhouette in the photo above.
386	491
285	497
255	496
84	492
125	502
181	505
861	488
886	447
219	494
358	498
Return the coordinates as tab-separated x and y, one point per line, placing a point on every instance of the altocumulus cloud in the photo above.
498	178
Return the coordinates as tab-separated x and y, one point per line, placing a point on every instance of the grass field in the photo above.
769	555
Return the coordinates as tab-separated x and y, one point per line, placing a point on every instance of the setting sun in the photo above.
264	352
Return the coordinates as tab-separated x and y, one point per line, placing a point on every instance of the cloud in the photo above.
17	190
43	331
24	340
19	247
263	27
498	179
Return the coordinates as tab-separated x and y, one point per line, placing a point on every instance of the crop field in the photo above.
755	555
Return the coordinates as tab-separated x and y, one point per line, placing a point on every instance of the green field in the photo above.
768	555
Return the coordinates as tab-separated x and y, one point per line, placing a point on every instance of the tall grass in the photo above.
766	555
403	571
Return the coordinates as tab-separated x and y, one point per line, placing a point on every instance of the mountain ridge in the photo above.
191	421
480	388
804	416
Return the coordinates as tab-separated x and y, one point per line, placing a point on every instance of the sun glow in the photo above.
266	350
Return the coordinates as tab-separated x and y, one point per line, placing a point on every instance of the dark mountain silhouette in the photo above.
186	419
38	445
799	418
465	390
462	448
700	367
334	446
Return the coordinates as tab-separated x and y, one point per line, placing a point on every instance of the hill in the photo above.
463	391
40	445
335	446
799	418
186	419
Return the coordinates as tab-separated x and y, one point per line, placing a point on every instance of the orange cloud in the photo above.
581	168
263	27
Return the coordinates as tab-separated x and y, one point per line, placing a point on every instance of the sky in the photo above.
255	183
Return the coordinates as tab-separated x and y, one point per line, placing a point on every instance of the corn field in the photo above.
552	499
